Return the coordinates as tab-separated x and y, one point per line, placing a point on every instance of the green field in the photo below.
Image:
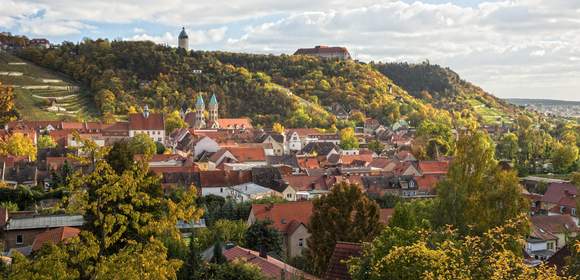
44	95
489	115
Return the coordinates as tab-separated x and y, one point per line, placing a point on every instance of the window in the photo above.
283	221
19	239
221	190
289	195
573	211
301	242
550	246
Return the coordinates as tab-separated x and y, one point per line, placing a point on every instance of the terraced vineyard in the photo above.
42	94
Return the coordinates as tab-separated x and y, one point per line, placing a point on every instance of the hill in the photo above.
42	94
445	89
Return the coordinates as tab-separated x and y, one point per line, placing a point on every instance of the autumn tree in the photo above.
564	156
408	254
142	144
507	147
477	194
18	145
278	128
44	142
7	106
345	214
348	140
174	121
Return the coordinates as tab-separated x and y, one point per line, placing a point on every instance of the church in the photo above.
197	119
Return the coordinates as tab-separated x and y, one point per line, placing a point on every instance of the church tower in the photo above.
213	112
183	41
199	122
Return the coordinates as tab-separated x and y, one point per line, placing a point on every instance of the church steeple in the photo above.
213	112
199	113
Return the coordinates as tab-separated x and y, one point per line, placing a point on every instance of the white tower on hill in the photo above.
183	41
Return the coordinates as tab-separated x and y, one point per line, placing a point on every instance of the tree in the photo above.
564	156
174	121
9	206
50	263
236	269
406	254
345	214
437	136
193	265
348	140
218	254
142	144
508	146
376	146
278	128
44	142
477	194
120	157
413	215
7	106
18	145
261	235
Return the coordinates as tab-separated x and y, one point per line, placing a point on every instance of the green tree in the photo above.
508	146
142	144
345	214
174	121
236	269
477	194
45	141
52	262
376	146
348	140
261	235
121	156
193	266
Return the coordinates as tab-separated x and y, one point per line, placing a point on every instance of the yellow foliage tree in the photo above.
18	145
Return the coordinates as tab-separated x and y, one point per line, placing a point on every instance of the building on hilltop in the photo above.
325	52
183	40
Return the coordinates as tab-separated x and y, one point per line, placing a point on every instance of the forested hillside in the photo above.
293	90
445	89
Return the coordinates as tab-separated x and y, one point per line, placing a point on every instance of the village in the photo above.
229	158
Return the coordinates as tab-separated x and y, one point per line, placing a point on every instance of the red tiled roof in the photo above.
305	182
302	132
434	167
55	236
381	163
555	224
348	159
282	214
556	191
248	154
173	169
223	178
385	215
235	123
270	267
155	121
308	162
343	251
427	183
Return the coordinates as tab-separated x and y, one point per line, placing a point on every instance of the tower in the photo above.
199	122
183	41
213	112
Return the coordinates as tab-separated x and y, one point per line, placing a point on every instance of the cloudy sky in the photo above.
517	48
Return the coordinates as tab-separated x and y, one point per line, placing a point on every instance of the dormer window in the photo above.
283	221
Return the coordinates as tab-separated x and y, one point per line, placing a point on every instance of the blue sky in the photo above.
512	48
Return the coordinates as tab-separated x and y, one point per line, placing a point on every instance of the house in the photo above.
290	161
270	267
216	182
308	186
278	142
383	164
559	198
561	226
325	52
439	168
237	123
298	137
290	219
337	268
370	125
404	186
22	231
321	149
54	236
250	191
203	144
151	124
540	244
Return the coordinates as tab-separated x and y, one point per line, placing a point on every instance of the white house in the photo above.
151	124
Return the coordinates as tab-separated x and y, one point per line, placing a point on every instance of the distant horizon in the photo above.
512	49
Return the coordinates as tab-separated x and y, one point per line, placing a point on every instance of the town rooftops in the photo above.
282	214
250	189
337	269
55	236
556	191
237	123
270	267
555	224
154	121
51	221
434	167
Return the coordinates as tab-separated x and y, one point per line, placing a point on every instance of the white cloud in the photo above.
510	47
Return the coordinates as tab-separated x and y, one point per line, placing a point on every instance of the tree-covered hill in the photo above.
445	89
294	90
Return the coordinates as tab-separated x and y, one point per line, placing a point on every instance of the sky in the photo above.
511	48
